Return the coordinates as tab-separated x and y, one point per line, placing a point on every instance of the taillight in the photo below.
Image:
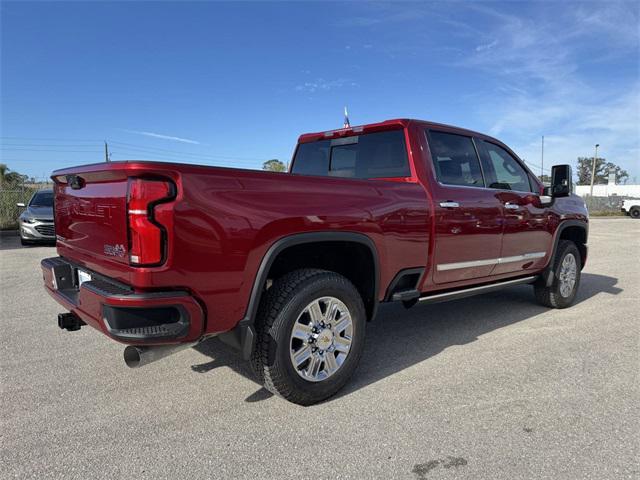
147	236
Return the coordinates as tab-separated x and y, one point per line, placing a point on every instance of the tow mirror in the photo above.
561	181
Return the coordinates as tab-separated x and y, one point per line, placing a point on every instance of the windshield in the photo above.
42	199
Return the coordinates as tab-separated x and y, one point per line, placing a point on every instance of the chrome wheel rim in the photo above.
321	339
568	275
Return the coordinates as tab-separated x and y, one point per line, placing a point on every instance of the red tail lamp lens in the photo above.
145	233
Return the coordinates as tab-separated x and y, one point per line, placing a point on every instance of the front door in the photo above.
468	219
526	236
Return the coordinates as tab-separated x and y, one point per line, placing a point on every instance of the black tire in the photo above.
635	212
279	310
551	296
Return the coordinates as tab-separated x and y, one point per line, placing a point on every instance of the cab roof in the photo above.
392	124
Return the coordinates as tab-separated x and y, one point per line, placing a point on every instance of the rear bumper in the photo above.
120	312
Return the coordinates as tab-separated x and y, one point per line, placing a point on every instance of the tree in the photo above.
274	165
603	169
8	178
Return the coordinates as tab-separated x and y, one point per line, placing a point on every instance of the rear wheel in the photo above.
635	212
566	278
310	329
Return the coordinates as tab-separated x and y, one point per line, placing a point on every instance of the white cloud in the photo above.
381	13
164	137
325	85
544	72
567	71
486	46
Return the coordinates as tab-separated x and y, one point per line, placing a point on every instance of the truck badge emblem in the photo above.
114	250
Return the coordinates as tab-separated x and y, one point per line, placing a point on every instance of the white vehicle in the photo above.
631	207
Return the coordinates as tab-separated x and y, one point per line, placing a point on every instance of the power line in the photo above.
134	152
142	147
529	164
45	145
125	155
40	147
54	139
47	150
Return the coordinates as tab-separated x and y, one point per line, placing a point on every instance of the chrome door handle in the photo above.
449	204
511	206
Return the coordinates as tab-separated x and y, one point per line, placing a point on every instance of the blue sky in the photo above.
234	84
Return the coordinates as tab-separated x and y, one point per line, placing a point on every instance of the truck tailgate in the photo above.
90	213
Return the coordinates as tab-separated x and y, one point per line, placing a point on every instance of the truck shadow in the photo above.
408	337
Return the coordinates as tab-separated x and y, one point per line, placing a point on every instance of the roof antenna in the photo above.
346	119
107	155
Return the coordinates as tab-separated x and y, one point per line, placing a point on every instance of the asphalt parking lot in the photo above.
491	387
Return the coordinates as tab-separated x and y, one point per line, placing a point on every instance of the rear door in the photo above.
526	236
468	216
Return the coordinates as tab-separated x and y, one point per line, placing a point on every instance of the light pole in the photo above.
542	160
593	170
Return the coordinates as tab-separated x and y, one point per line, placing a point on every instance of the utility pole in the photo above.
107	156
593	170
542	160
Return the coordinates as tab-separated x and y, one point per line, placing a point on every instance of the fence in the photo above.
9	211
607	199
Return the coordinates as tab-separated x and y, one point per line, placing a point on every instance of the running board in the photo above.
468	292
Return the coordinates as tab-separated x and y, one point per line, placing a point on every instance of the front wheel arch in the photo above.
575	231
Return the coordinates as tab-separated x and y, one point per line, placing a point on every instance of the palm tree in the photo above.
9	178
3	173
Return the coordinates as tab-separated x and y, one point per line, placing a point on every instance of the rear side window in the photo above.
374	155
312	158
455	159
503	171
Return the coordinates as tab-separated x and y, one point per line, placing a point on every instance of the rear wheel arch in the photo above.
243	336
287	253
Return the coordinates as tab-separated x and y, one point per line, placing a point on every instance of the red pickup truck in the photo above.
289	267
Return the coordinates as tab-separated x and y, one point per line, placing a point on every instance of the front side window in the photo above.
455	159
503	171
374	155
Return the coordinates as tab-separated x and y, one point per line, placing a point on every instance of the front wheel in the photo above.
311	328
635	212
566	278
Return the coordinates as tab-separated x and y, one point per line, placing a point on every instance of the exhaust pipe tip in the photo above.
132	356
138	356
